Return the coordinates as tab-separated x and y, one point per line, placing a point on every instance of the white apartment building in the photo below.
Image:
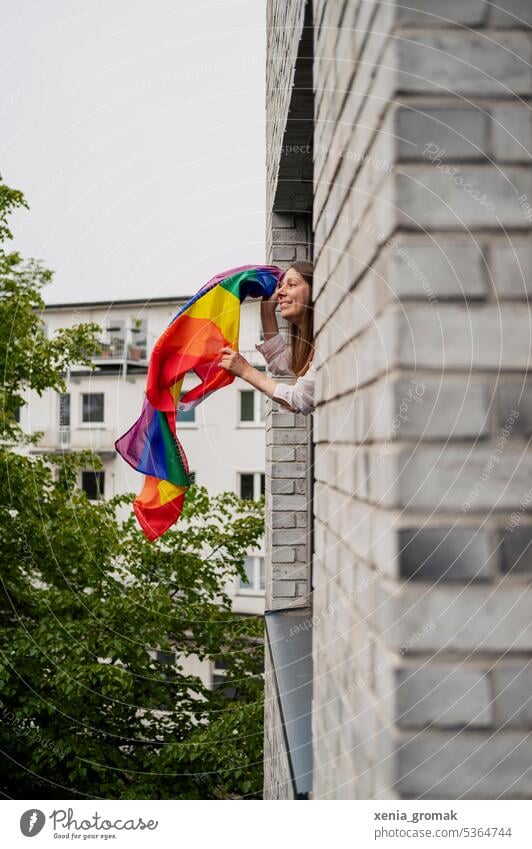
223	437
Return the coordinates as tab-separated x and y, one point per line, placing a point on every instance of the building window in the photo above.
219	682
252	406
192	477
247	486
254	582
247	405
219	679
64	419
252	485
92	408
167	658
93	484
185	415
64	409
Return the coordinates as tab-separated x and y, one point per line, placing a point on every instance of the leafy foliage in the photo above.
88	707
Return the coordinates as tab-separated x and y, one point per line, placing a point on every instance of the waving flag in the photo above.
209	321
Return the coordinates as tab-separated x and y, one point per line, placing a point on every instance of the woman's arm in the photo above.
299	396
263	383
236	364
277	355
269	319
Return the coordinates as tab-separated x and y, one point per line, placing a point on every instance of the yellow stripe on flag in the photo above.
168	491
175	390
222	307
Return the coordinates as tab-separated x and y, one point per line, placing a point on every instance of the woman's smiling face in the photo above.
293	296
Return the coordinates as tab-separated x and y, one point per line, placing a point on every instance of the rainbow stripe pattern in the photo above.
209	321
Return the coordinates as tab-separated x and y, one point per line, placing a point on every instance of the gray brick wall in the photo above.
420	496
287	508
288	452
288	435
422	508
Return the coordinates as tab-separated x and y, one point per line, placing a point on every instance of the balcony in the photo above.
117	352
98	439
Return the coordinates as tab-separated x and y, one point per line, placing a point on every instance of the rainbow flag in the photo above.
192	341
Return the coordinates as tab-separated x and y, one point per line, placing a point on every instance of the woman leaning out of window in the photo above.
297	359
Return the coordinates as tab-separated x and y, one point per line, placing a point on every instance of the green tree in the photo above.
91	612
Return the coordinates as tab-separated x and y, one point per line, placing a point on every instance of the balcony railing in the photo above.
117	350
92	438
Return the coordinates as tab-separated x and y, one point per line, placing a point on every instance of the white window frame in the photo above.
64	430
256	483
84	424
259	564
259	405
94	472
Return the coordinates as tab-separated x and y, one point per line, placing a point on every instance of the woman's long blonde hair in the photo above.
302	339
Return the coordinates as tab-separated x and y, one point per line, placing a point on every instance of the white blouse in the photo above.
300	395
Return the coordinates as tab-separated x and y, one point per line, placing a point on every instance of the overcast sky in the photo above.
136	131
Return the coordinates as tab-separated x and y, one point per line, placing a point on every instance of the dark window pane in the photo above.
192	476
262	484
247	403
92	407
62	479
93	484
186	415
64	410
219	682
166	657
246	486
